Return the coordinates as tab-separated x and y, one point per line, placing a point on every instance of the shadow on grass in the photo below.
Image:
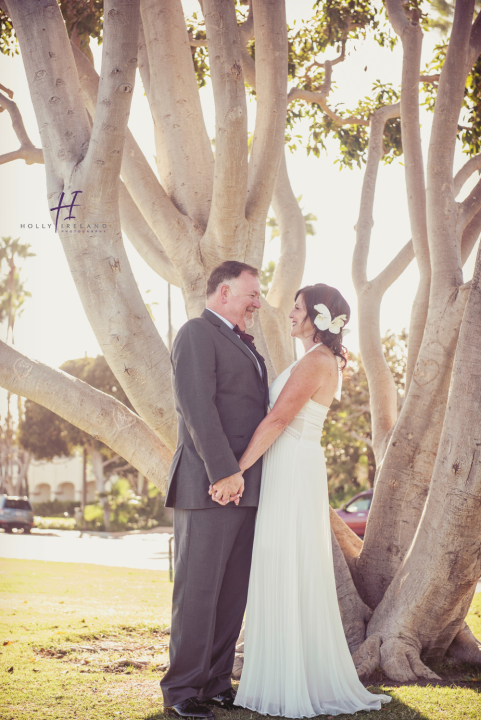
422	702
395	710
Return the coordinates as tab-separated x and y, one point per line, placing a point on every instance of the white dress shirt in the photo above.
229	324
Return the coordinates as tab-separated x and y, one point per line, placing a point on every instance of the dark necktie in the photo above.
248	341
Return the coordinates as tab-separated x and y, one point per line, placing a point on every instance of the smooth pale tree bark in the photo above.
423	610
411	37
403	481
227	219
99	414
290	266
383	396
73	161
184	155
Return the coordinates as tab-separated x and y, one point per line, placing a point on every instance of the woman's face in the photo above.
297	315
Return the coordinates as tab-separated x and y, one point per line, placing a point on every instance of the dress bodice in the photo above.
309	421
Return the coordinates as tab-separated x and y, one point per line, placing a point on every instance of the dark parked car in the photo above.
355	512
15	512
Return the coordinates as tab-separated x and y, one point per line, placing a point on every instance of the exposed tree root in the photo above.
239	655
399	660
465	648
355	614
368	657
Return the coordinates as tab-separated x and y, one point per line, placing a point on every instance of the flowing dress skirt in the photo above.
296	659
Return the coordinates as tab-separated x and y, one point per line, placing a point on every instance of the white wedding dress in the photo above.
296	659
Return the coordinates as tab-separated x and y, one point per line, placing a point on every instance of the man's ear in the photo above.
224	293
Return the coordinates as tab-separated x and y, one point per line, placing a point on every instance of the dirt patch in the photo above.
115	656
142	688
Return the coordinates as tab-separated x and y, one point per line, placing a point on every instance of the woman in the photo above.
296	659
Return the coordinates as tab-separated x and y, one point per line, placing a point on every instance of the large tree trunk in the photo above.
423	610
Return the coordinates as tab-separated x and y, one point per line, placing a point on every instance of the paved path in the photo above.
148	551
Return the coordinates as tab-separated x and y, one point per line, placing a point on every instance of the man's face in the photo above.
241	299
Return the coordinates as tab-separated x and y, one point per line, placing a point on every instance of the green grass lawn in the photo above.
85	642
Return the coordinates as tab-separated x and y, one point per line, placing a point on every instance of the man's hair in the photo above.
229	270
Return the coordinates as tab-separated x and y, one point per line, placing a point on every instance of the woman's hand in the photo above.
229	489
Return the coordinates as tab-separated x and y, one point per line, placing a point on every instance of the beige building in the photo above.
59	479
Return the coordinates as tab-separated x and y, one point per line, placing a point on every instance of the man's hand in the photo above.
228	489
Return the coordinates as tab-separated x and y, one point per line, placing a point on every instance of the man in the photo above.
221	394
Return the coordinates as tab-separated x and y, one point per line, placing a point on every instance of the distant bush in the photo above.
128	511
54	523
94	518
54	508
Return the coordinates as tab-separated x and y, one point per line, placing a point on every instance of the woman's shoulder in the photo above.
319	359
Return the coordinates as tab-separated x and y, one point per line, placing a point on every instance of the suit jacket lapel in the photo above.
233	337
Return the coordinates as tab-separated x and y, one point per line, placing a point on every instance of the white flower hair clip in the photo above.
324	320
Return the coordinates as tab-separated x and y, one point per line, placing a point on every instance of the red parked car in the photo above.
355	512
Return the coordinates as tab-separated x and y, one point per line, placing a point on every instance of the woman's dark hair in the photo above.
335	303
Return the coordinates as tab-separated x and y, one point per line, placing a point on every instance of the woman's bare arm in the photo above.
317	370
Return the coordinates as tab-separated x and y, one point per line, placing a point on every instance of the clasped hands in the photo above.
228	489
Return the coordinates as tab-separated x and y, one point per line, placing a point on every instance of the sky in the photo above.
53	327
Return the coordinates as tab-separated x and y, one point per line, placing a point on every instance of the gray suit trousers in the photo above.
213	550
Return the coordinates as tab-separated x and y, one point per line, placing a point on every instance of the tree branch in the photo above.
246	32
101	415
193	42
444	229
27	150
96	255
111	460
117	77
271	82
382	389
184	154
227	223
469	207
62	119
169	225
470	236
365	221
292	230
361	438
320	99
395	269
412	37
473	164
143	64
7	91
143	239
474	42
429	78
290	266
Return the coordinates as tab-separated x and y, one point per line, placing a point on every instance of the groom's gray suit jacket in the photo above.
220	400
